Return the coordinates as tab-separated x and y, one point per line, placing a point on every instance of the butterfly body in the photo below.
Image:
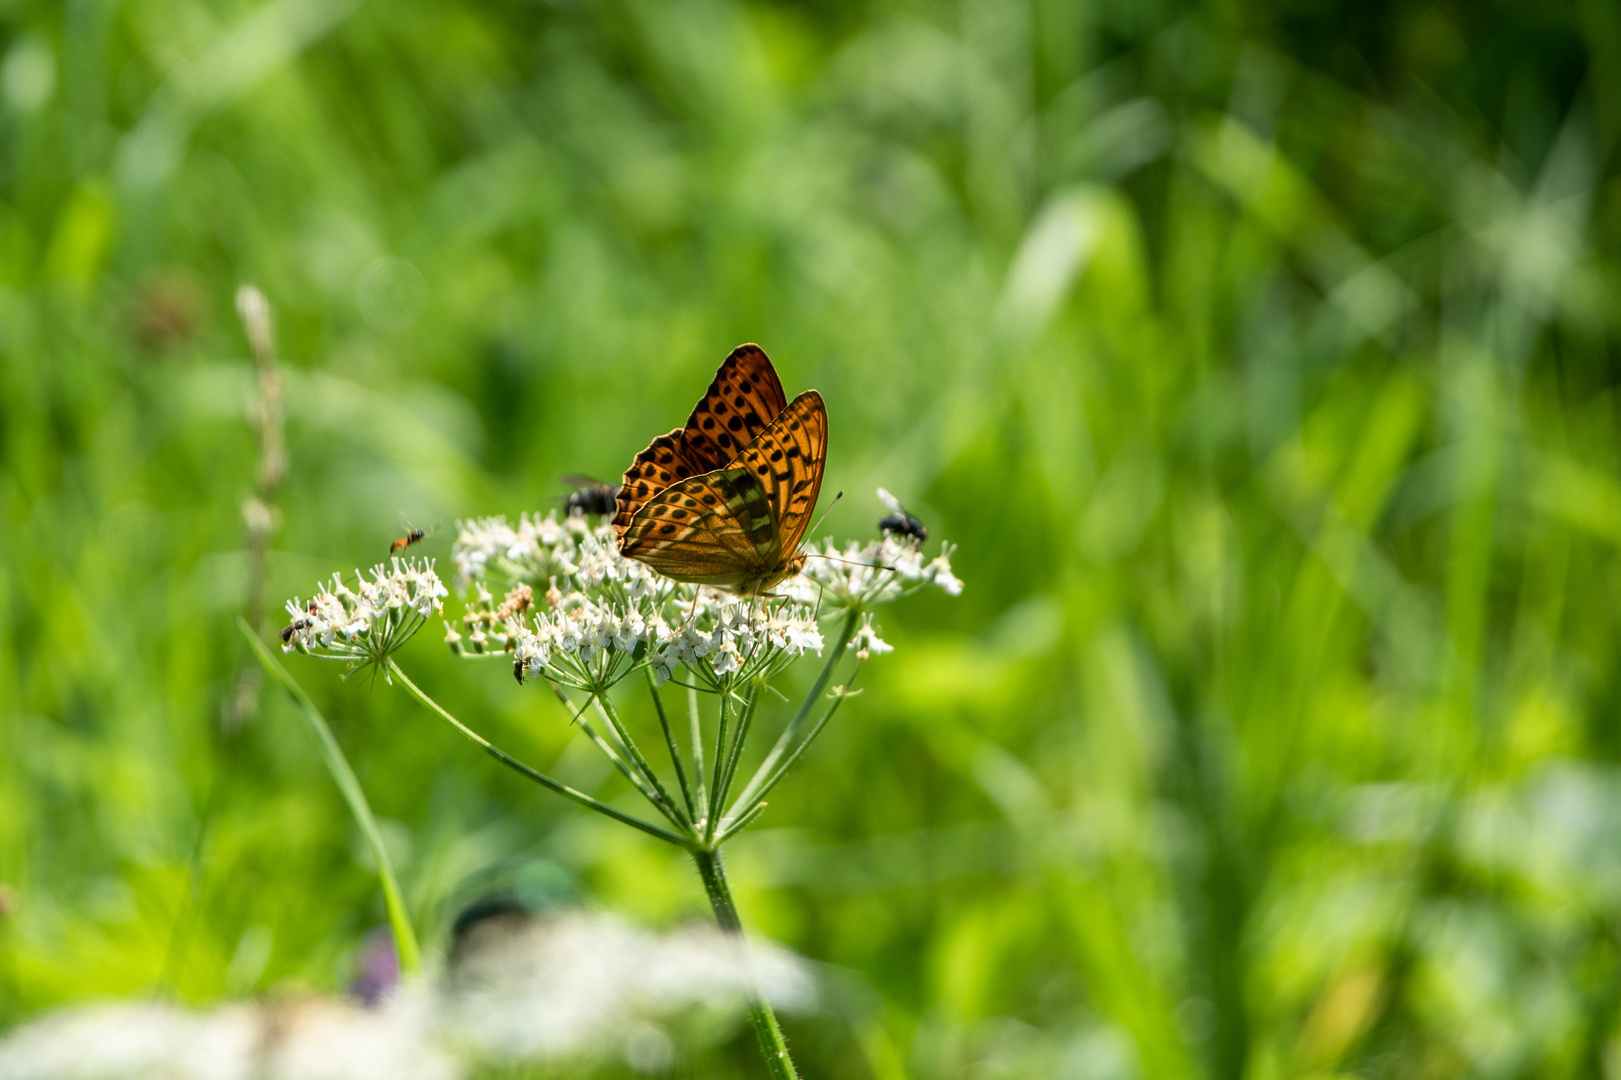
725	500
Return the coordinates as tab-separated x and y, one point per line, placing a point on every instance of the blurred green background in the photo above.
1261	358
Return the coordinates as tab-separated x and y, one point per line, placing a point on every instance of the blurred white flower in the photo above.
101	1042
300	1039
519	989
524	988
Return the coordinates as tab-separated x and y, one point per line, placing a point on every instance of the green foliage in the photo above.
1261	360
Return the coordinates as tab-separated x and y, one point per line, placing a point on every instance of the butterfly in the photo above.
725	500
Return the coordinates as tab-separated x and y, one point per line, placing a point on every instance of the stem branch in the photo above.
696	728
712	816
746	808
670	743
538	777
723	783
754	789
665	804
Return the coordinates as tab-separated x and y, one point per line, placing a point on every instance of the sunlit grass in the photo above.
1263	373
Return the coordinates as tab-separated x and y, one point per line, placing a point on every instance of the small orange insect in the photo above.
413	537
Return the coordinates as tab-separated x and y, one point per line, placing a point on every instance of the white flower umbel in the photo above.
369	622
578	613
864	576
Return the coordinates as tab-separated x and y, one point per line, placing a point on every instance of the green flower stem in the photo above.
695	730
712	813
577	716
736	826
766	1029
538	777
618	756
745	809
670	743
755	788
745	717
399	920
664	802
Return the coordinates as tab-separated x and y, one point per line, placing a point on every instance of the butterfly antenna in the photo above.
848	562
823	518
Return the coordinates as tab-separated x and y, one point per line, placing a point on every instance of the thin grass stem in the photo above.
399	919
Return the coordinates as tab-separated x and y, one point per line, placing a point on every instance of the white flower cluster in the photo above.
865	576
576	610
369	622
537	549
585	616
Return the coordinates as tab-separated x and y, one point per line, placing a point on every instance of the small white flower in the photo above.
866	640
727	659
939	573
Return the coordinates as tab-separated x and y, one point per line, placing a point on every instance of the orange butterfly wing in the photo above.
714	529
744	397
739	528
788	461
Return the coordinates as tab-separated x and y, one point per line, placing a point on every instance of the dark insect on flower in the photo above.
294	627
517	671
900	522
591	496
